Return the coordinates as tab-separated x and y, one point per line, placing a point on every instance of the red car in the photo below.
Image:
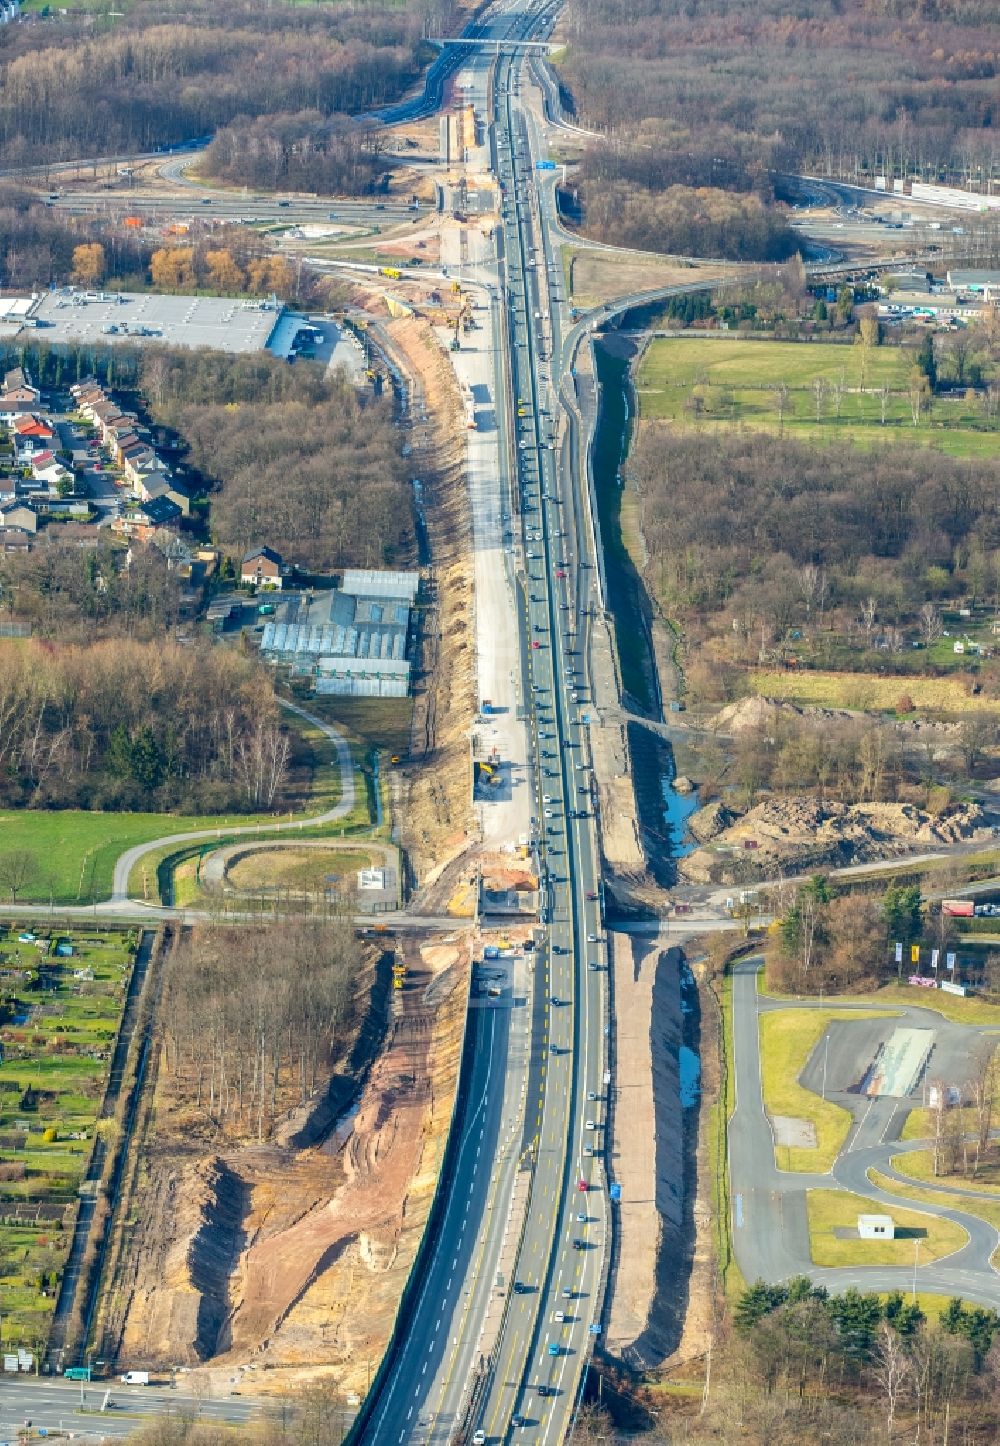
536	645
583	1185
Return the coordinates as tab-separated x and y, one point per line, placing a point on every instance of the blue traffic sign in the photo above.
545	165
615	1192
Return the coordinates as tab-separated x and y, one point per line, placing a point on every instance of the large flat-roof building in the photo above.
976	283
233	324
354	640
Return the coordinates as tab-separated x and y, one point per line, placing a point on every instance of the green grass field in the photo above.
865	692
735	383
61	1017
968	1010
787	1039
832	1210
76	851
719	1116
919	1165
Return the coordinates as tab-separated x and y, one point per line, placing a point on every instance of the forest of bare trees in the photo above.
164	74
300	461
127	724
898	86
751	535
685	220
72	593
301	152
694	101
253	1015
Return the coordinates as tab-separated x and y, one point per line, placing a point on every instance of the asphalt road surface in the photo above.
770	1231
55	1404
517	1263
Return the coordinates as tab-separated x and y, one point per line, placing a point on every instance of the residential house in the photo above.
143	522
262	568
13	539
152	485
178	555
17	394
47	470
139	462
14	512
74	534
30	434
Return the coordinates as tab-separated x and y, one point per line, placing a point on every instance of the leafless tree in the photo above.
983	1089
781	395
891	1368
18	869
931	626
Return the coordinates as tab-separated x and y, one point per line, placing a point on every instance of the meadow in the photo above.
833	393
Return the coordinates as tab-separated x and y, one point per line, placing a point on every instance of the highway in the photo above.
499	1335
53	1405
545	1343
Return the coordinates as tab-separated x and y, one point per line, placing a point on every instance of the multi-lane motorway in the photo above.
509	1298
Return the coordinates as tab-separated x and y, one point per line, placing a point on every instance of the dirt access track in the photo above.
291	1257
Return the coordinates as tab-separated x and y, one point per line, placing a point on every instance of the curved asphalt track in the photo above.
128	860
769	1226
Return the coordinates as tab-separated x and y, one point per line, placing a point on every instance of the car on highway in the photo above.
559	1317
579	1245
553	1348
592	938
581	1219
479	1438
590	1125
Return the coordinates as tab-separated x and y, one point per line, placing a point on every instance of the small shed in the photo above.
876	1227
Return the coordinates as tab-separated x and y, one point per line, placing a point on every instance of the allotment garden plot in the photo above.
61	1001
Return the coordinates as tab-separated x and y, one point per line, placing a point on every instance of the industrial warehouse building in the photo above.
355	640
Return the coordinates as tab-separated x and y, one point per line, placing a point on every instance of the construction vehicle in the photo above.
393	272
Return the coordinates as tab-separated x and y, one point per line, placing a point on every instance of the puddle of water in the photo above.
690	1073
677	809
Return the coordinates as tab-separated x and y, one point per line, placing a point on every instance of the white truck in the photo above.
135	1378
